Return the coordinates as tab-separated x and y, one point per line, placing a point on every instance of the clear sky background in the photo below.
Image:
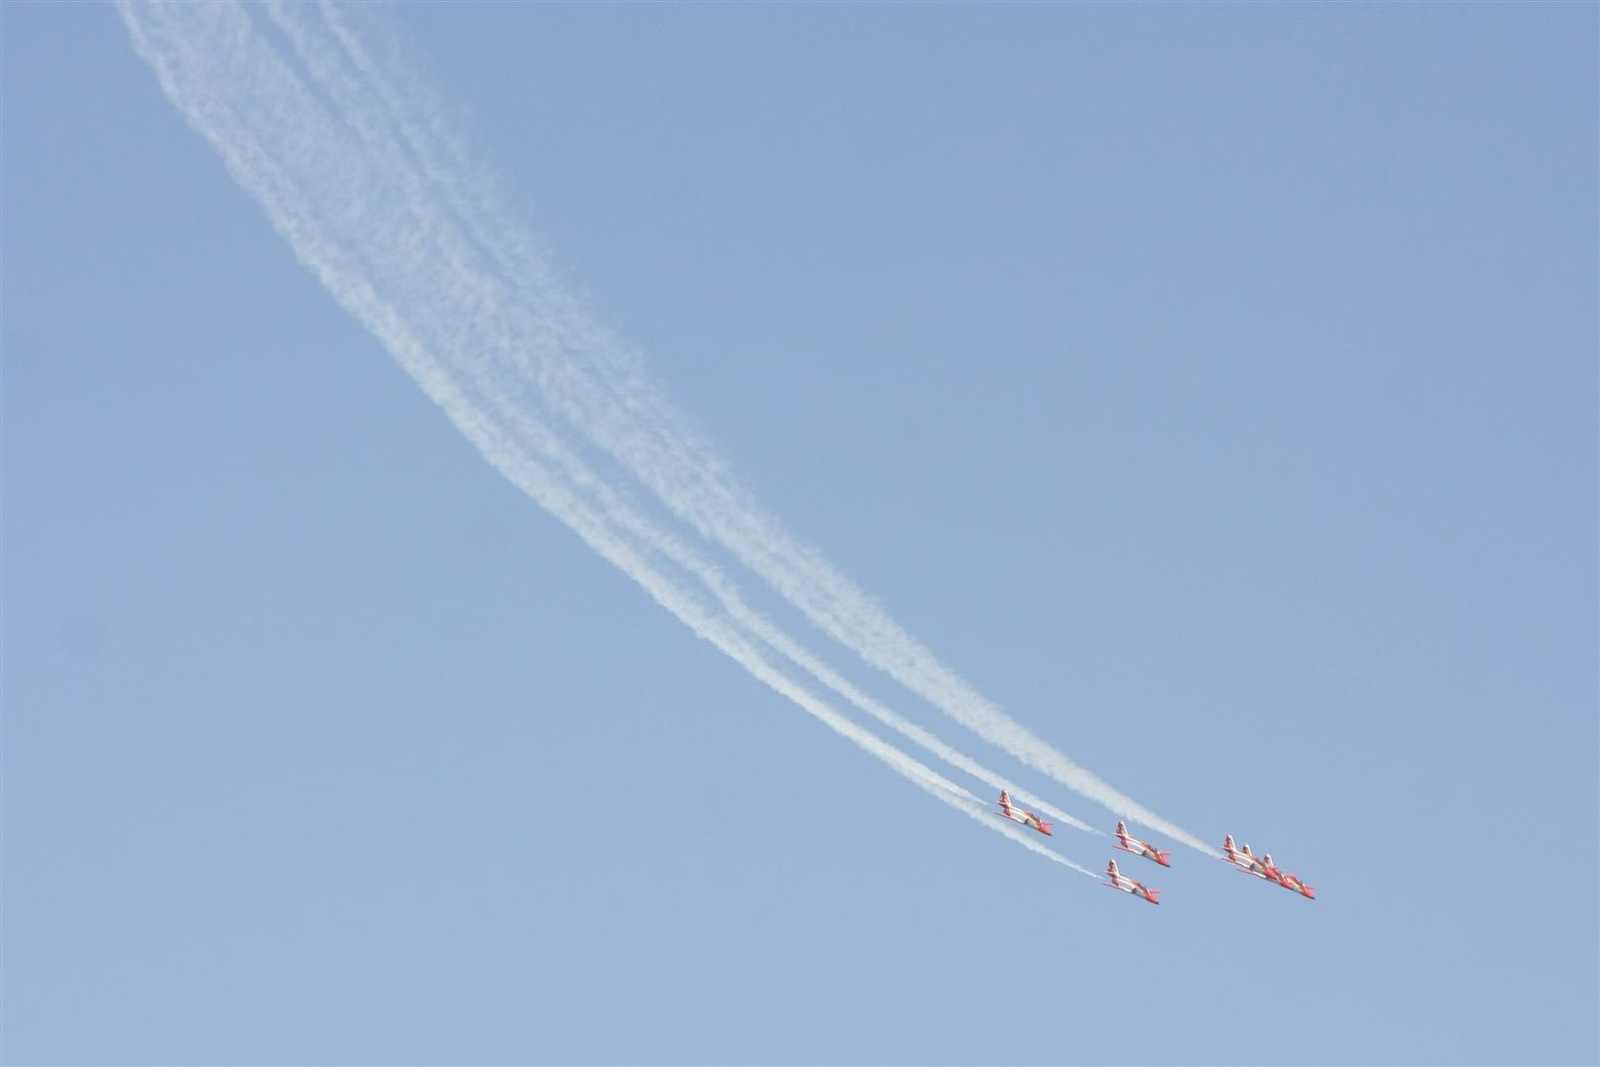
1213	387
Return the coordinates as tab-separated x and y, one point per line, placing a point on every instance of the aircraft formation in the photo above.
1244	861
1239	857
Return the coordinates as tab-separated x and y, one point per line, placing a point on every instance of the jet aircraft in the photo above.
1140	848
1289	881
1118	880
1010	811
1264	867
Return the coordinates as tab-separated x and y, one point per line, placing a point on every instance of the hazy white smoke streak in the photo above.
341	69
419	296
593	381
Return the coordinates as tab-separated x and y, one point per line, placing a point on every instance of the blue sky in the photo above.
1214	388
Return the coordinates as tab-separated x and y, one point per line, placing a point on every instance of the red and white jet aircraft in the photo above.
1244	860
1010	811
1140	848
1118	880
1289	881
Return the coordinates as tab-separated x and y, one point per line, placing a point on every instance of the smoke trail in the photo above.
593	382
236	93
360	96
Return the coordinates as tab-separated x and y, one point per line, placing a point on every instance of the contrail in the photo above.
595	384
237	93
351	94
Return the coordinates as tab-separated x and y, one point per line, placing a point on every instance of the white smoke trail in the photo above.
234	90
595	384
359	95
